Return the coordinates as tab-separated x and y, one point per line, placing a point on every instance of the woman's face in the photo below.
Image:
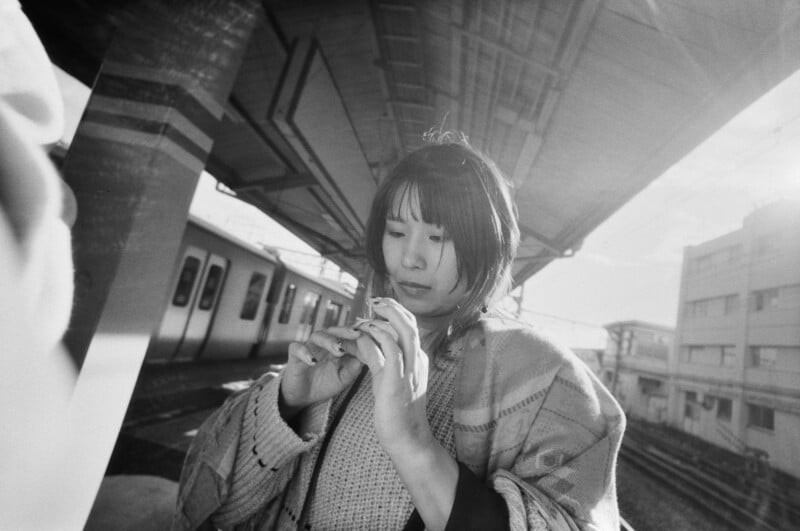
420	260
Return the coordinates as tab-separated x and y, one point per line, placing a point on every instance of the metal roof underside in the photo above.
581	103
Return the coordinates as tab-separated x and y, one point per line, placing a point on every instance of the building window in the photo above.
699	308
253	296
764	357
186	281
652	350
332	313
724	409
728	355
764	299
715	307
761	417
731	304
691	408
310	308
704	354
209	294
288	302
650	386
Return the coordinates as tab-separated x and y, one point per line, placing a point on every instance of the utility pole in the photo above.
518	300
617	335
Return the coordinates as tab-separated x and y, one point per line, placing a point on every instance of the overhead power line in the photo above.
564	319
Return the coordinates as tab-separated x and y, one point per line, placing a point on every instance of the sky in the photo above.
629	267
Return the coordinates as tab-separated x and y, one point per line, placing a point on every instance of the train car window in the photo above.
332	313
186	281
253	296
288	301
210	289
310	308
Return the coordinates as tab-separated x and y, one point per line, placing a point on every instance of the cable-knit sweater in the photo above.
358	487
526	416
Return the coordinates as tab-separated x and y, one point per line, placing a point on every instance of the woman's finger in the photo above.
343	332
380	323
347	337
369	354
390	303
405	324
392	352
302	353
330	342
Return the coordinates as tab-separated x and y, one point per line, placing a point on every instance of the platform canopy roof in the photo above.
581	103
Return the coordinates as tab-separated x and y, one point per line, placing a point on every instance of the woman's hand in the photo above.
400	383
399	370
318	369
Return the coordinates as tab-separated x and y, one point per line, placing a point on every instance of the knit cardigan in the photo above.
529	418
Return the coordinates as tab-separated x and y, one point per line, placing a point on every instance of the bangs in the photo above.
423	198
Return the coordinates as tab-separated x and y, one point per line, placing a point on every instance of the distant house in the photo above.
635	367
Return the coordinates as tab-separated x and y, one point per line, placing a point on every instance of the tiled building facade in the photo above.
735	366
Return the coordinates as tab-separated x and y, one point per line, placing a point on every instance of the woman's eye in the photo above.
394	233
436	238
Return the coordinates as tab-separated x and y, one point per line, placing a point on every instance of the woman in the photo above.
434	413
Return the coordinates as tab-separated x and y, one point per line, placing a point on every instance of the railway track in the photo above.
755	493
736	508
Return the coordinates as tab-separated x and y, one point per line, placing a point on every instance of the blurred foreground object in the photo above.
36	376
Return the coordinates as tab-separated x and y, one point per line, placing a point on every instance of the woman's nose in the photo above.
413	257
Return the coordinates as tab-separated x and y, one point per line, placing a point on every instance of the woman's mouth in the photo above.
412	289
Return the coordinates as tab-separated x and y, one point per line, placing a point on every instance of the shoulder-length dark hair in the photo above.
465	193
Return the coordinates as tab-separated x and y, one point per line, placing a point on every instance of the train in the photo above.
229	299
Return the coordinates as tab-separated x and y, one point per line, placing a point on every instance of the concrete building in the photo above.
736	365
635	367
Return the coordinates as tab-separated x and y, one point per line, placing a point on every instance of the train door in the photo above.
203	309
236	324
308	317
333	311
176	315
